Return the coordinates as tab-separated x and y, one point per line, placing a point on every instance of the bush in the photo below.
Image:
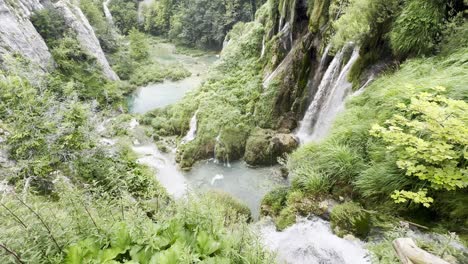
154	73
350	218
274	201
79	227
232	205
50	24
125	14
417	30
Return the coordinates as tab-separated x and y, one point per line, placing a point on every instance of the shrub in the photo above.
125	14
418	28
350	218
313	183
79	227
274	201
50	24
428	138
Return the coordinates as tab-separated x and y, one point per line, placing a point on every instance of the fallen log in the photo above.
409	253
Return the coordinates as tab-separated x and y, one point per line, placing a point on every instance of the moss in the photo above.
231	204
286	218
318	14
350	218
274	201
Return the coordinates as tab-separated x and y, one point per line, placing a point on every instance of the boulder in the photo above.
264	146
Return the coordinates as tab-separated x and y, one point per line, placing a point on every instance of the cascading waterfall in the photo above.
278	69
329	99
263	48
312	242
225	159
192	133
217	140
107	13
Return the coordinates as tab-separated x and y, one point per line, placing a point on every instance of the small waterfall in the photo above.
281	16
263	48
361	89
192	133
329	99
225	159
278	69
107	13
217	140
312	242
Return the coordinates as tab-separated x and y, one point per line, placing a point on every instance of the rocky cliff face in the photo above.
18	35
77	21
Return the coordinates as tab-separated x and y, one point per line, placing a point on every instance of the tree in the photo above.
125	14
429	138
139	47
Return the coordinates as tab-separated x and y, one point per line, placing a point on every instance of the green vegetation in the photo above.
92	9
124	14
428	139
418	28
79	226
225	102
350	218
202	23
50	24
356	164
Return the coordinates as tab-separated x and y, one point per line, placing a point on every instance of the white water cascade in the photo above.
312	242
167	174
329	99
282	66
192	133
107	13
263	48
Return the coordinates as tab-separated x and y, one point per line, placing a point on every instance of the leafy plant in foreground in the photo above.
429	138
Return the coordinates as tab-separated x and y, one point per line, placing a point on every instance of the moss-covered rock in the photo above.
274	201
350	218
264	146
231	204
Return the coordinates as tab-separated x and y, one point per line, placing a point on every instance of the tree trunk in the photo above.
409	253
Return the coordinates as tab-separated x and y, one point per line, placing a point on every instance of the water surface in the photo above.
159	95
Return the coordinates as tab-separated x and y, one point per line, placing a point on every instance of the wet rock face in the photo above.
18	35
264	146
77	21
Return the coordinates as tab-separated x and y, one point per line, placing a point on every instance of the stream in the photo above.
310	240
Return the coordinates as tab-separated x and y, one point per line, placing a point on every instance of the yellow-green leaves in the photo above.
417	197
429	138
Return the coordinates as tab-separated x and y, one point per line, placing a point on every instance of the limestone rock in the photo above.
18	35
264	146
77	21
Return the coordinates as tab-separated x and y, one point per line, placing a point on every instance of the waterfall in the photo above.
263	47
278	69
192	133
329	99
361	89
107	13
312	242
217	140
225	159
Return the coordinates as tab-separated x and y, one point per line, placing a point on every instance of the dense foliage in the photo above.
124	14
429	141
202	23
225	104
373	169
81	227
